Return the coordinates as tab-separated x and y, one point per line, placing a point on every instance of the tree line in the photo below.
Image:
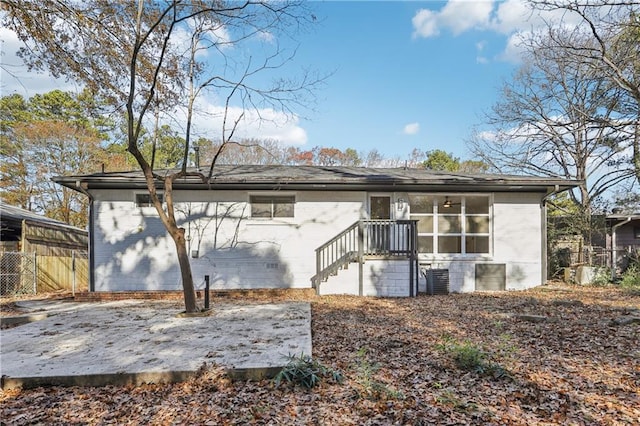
61	133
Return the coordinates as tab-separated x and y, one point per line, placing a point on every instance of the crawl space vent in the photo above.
491	277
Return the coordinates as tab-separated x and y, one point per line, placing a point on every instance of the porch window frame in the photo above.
437	213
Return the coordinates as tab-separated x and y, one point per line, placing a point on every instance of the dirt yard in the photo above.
553	355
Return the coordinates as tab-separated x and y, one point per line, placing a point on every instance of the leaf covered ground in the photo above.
552	355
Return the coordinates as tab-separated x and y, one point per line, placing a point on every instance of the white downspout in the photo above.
83	187
614	257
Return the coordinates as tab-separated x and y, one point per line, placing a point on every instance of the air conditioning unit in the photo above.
437	281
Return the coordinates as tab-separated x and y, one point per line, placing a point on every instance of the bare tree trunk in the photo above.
636	149
177	234
586	214
185	271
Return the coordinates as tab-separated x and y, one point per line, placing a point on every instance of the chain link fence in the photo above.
17	273
31	273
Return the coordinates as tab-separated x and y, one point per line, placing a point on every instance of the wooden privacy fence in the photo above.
55	273
29	273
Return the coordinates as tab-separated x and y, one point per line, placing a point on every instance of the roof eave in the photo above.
446	185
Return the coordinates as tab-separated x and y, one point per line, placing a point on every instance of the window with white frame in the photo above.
272	206
452	224
143	199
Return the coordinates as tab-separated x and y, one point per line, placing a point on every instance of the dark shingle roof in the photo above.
326	177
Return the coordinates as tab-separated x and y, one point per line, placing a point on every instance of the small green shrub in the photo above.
631	278
602	277
370	387
469	357
450	399
466	356
304	371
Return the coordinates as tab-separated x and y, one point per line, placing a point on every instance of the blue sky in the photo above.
404	74
387	78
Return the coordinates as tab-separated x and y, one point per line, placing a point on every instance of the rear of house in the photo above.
381	232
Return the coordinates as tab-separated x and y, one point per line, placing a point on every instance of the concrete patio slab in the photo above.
131	342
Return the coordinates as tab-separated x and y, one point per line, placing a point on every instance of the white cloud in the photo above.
457	16
425	24
411	129
266	36
218	36
512	18
461	16
514	50
260	124
14	76
480	58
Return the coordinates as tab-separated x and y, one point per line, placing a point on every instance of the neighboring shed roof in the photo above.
11	217
276	177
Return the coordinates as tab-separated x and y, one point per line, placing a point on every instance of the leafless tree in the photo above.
138	56
610	43
559	118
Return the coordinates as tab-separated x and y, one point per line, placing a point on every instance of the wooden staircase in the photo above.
364	239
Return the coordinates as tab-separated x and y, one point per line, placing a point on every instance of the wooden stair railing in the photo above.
336	254
366	238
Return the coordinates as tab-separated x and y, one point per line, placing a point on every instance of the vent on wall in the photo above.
438	281
491	277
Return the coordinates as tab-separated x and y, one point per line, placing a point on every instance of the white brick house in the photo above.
383	232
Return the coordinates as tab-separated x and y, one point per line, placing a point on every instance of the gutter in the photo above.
440	187
614	259
556	190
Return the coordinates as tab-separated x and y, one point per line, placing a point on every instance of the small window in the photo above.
265	206
636	232
144	200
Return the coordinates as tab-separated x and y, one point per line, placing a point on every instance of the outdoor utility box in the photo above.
581	275
584	275
491	276
437	281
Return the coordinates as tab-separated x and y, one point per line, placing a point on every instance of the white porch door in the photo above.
380	207
379	235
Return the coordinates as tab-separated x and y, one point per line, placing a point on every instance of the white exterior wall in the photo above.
516	242
388	278
518	228
132	251
384	278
